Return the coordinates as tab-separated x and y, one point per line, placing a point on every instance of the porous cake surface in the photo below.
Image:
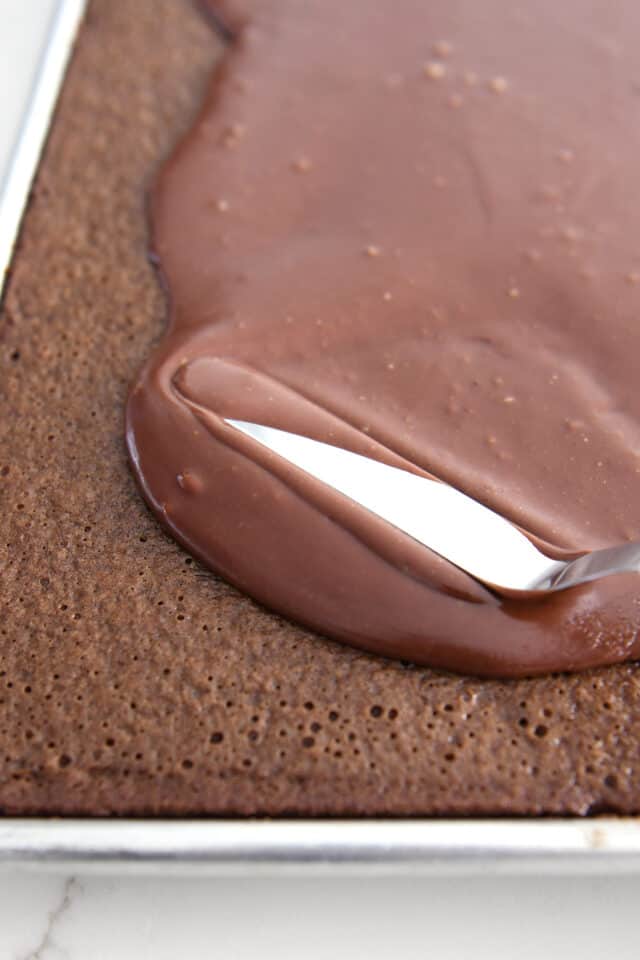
131	680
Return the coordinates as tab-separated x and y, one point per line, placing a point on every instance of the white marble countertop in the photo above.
49	917
23	31
56	916
30	70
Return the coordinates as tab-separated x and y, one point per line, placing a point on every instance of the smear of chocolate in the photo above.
411	229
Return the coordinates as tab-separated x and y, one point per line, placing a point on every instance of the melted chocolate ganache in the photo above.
411	229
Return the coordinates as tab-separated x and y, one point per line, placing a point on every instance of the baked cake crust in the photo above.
131	680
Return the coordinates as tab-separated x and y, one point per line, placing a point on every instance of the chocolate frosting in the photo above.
411	230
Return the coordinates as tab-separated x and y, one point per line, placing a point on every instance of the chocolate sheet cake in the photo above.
134	681
430	263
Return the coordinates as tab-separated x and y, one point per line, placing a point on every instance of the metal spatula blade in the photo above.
456	527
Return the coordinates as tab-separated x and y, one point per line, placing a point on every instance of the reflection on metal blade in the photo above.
463	531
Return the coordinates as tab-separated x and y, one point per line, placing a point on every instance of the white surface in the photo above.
88	918
53	917
35	39
23	31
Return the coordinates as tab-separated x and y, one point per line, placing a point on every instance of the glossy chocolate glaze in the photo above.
413	230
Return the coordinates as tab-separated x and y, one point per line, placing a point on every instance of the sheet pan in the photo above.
254	846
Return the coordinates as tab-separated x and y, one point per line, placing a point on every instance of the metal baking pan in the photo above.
46	34
325	846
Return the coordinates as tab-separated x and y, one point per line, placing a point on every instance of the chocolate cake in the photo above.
437	271
133	680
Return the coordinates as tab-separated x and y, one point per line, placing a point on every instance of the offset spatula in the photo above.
456	527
